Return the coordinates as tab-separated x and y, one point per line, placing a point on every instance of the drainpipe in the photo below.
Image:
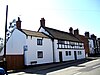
53	50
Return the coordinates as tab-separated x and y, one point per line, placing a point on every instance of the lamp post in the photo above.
4	56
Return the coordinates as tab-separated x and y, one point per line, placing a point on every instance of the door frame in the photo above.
75	55
60	56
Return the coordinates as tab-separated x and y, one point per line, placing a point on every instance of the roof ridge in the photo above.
58	30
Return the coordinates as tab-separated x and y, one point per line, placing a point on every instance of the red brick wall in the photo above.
85	41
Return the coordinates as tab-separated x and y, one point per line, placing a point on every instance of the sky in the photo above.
59	14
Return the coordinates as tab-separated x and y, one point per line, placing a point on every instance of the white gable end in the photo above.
15	43
44	31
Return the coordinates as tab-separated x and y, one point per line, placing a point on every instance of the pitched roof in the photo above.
57	34
33	33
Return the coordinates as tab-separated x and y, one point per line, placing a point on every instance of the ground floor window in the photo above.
40	54
68	53
79	52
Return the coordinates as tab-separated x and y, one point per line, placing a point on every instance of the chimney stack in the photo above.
93	37
18	23
76	32
42	22
71	30
87	34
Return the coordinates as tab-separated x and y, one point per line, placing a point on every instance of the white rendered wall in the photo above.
33	48
43	30
82	55
14	45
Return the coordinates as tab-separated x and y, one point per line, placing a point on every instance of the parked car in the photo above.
2	71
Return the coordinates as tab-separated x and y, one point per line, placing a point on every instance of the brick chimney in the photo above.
18	23
76	32
87	34
71	30
42	22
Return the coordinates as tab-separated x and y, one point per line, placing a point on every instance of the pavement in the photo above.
37	68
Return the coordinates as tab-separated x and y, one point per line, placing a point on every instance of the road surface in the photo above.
87	68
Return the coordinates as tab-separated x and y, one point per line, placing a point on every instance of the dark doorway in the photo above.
75	55
60	56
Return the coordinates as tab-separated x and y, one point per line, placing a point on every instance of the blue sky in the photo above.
59	14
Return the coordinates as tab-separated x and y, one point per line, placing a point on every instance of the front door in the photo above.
75	55
60	56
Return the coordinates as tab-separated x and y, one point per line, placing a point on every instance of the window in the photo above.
79	52
72	44
39	41
40	54
61	42
68	53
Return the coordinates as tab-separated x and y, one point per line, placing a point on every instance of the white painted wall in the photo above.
31	54
82	55
43	30
14	45
66	58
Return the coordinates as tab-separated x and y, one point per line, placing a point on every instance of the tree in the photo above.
9	32
10	29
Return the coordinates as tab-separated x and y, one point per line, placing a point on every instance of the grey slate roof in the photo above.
57	34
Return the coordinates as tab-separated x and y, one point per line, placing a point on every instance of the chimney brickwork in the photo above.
18	23
42	22
76	32
71	30
87	34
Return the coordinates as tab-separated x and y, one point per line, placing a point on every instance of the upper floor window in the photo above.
39	41
61	42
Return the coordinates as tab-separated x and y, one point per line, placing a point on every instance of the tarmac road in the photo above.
80	67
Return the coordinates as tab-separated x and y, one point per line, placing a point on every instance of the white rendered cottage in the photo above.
65	45
38	48
26	47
